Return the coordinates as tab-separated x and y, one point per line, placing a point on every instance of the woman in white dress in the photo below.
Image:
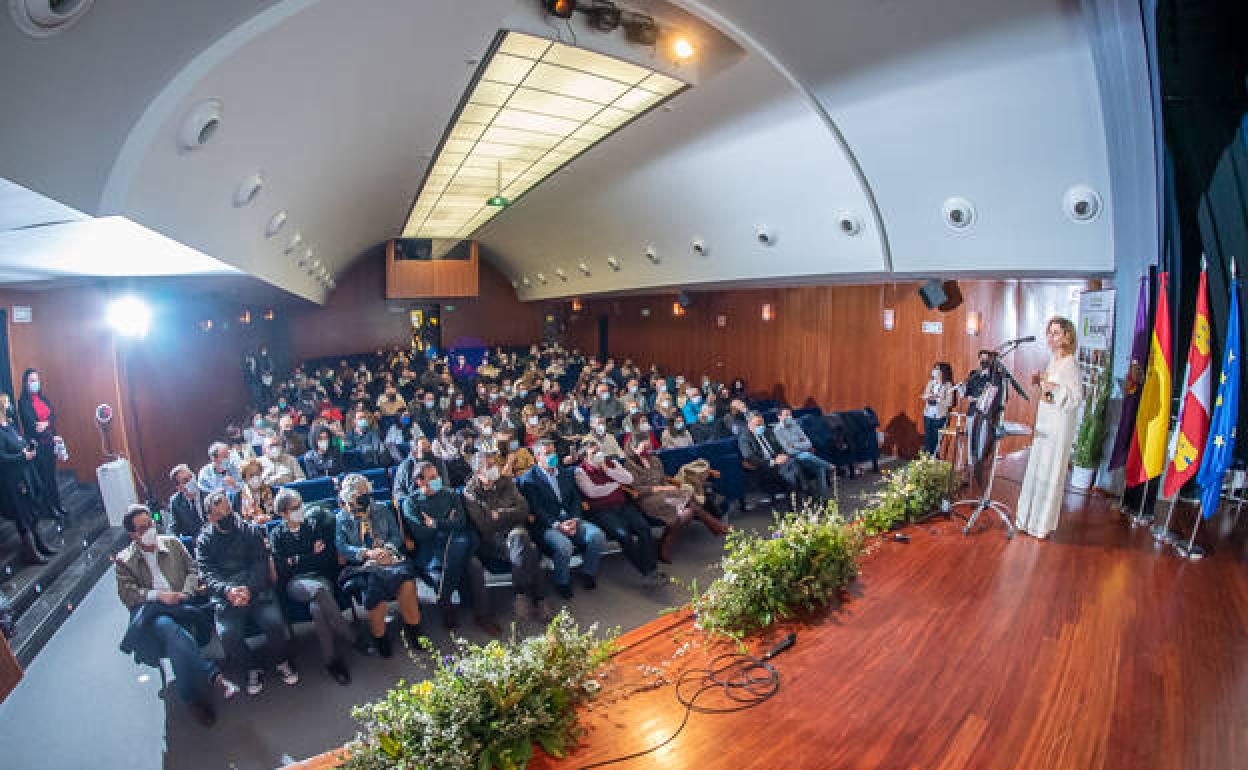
1061	392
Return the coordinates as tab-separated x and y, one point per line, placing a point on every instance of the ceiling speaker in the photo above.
933	294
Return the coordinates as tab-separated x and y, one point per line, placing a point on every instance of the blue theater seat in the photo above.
314	490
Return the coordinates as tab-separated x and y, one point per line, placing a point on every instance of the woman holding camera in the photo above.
937	401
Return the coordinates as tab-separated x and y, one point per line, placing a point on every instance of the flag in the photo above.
1225	416
1147	456
1133	382
1194	413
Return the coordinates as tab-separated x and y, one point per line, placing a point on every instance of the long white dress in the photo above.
1040	501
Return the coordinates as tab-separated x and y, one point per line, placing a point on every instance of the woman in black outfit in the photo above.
16	481
38	420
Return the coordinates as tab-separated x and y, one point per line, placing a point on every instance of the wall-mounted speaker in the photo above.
933	294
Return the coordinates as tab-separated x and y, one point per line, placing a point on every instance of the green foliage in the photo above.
908	492
802	562
485	706
1090	441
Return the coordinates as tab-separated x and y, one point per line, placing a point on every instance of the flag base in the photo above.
1190	552
1142	519
1163	535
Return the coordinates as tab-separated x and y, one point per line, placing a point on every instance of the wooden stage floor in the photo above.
1089	650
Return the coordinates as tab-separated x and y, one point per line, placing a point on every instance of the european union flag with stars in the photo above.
1225	415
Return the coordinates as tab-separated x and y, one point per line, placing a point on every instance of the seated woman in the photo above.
635	424
254	501
443	544
370	545
601	481
363	437
460	410
676	434
501	517
307	569
664	411
662	500
323	458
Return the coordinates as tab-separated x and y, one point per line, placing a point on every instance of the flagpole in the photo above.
1191	551
1141	518
1162	533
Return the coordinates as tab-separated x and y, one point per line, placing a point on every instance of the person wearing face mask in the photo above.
38	421
501	517
937	398
707	428
306	565
795	443
602	484
254	501
220	473
735	421
763	455
17	488
636	425
693	405
604	438
429	414
558	526
186	505
234	565
323	458
364	439
607	406
662	500
255	433
676	434
401	432
369	541
460	411
390	402
158	583
278	466
405	479
444	545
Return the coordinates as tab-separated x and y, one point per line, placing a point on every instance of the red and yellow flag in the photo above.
1194	414
1147	458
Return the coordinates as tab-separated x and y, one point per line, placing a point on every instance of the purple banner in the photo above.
1134	381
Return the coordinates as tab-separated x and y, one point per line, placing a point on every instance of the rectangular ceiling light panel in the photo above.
536	105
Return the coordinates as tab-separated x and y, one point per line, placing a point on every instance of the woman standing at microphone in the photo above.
937	400
1061	392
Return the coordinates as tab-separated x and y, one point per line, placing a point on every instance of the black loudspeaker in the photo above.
933	294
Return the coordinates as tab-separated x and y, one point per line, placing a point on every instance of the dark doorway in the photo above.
603	349
6	373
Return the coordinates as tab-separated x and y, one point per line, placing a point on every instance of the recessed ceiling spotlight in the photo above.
959	213
562	275
248	190
200	125
700	248
541	278
276	223
525	280
652	254
1081	203
42	18
584	268
765	235
682	48
333	284
296	240
849	223
515	283
613	263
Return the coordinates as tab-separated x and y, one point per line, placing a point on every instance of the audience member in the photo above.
278	466
762	453
158	583
558	525
234	565
254	501
219	473
676	434
796	444
324	458
601	481
306	565
661	500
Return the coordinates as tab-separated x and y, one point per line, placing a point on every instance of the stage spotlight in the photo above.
129	316
560	8
640	29
683	48
604	16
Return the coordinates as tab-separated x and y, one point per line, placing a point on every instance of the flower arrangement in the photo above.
485	706
806	558
1090	440
914	489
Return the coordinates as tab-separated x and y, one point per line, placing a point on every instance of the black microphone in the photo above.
781	646
1031	338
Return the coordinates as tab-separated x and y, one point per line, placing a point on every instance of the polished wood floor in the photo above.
1090	650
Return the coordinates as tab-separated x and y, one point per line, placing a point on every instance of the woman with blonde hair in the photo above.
255	498
1061	392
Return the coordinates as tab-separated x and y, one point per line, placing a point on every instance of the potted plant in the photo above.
1090	440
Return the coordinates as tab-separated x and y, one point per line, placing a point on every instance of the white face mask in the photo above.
254	482
600	429
296	516
274	452
491	474
323	446
935	374
148	538
533	420
34	386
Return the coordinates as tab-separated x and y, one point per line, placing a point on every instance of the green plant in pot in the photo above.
1090	440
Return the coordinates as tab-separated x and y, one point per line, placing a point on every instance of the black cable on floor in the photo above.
746	679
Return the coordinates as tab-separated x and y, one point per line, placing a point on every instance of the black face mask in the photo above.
363	501
227	524
985	364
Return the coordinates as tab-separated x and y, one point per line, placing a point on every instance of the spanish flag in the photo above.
1147	458
1194	414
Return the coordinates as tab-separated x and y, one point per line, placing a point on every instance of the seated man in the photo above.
707	428
761	452
187	504
607	406
501	517
278	466
219	473
601	481
735	421
404	485
234	563
558	527
370	543
600	435
307	572
390	402
795	443
444	544
158	583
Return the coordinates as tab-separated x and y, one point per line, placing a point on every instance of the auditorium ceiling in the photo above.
816	140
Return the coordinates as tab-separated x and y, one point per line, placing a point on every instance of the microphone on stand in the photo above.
1020	340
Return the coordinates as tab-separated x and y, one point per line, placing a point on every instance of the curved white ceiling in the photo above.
881	110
